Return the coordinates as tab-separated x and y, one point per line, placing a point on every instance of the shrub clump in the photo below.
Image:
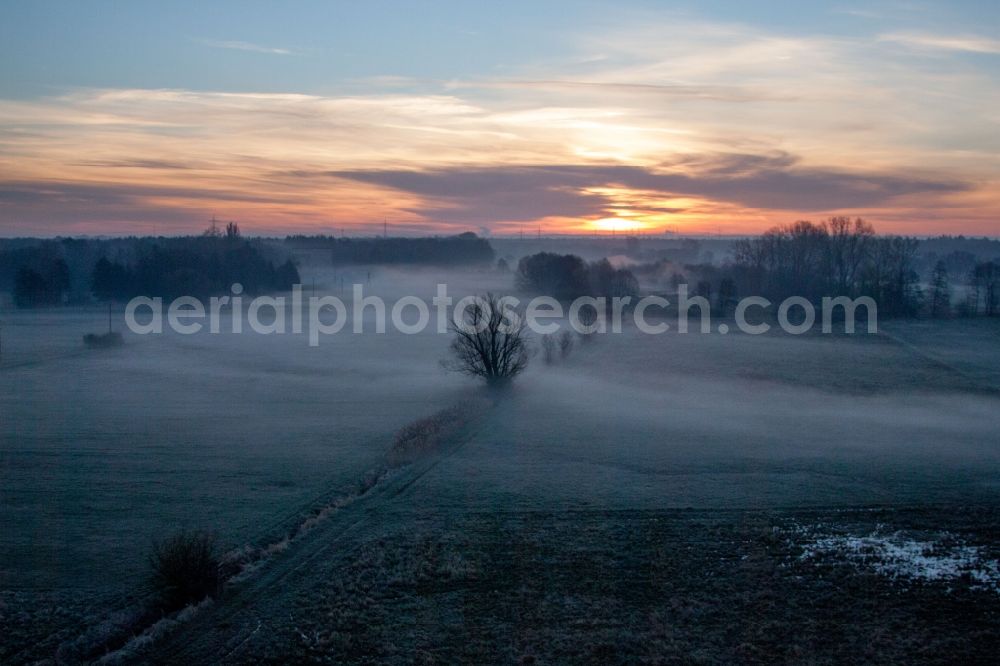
103	340
426	436
185	569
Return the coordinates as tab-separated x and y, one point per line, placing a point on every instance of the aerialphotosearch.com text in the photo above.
324	315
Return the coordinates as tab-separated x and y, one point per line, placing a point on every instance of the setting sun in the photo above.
619	225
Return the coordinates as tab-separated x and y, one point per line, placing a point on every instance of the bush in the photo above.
103	340
425	436
185	569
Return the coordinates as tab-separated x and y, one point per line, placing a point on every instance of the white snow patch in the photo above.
898	556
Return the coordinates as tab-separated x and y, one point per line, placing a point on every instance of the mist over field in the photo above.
247	436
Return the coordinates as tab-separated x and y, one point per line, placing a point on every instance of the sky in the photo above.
444	117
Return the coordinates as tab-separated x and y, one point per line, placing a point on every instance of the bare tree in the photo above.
837	257
985	282
940	299
848	247
491	342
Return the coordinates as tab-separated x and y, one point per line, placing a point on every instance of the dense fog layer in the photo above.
108	449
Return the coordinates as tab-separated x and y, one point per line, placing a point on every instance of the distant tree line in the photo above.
961	275
53	272
567	276
844	257
463	249
839	257
191	266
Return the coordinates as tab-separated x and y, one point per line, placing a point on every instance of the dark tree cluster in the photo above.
463	249
36	275
111	281
984	289
66	270
605	280
47	286
567	276
839	257
192	266
940	292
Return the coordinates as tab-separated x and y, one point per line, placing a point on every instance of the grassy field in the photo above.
647	498
599	586
104	451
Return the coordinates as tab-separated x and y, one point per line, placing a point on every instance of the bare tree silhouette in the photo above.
940	300
491	342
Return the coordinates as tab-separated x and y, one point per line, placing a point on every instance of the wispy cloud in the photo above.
859	13
134	164
927	41
675	123
769	182
246	46
719	93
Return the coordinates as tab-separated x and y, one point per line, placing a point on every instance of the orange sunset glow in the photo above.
652	122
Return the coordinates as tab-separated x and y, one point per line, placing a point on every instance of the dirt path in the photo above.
251	609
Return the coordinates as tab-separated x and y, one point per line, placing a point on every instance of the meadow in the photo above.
105	451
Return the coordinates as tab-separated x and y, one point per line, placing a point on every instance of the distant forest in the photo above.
463	249
567	276
906	277
937	277
53	272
